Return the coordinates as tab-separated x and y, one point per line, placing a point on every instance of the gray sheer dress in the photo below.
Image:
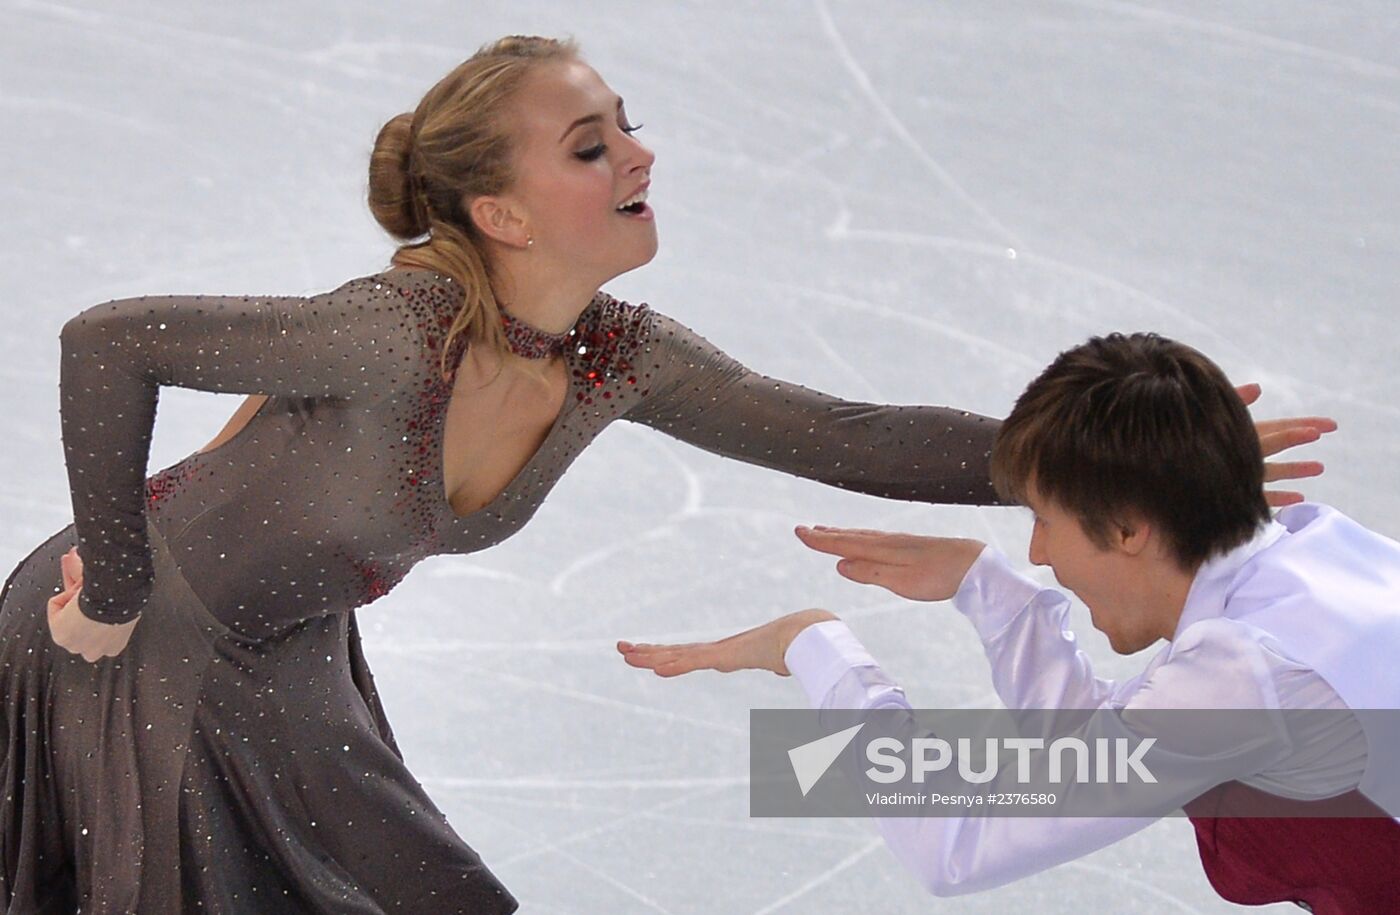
235	758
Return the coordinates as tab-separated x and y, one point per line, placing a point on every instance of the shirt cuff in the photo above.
821	655
992	593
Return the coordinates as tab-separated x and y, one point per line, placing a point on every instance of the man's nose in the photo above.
1037	550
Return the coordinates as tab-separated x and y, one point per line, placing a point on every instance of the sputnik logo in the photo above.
811	760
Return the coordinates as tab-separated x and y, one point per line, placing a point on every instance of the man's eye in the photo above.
592	152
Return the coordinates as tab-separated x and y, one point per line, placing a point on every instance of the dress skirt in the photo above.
204	771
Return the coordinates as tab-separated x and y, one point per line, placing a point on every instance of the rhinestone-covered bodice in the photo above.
364	477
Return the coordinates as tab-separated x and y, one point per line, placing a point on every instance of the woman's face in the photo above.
576	165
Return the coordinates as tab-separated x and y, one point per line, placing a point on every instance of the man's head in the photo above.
1143	446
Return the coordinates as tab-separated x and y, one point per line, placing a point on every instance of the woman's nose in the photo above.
642	157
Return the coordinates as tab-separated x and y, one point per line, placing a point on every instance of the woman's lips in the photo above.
645	213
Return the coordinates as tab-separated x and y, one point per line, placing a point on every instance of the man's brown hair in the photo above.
1138	426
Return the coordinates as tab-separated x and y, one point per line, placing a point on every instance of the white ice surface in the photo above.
903	201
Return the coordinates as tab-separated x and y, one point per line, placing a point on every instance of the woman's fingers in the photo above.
1280	498
65	597
1320	424
1249	393
1291	470
72	568
1288	437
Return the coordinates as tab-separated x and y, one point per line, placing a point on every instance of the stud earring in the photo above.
529	241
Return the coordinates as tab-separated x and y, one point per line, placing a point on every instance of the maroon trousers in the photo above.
1339	856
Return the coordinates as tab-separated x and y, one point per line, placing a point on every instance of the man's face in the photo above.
1104	578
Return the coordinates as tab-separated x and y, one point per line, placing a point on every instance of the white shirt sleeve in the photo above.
1035	664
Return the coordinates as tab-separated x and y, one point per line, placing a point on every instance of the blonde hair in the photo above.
454	147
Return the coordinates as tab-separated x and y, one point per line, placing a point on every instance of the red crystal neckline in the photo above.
531	342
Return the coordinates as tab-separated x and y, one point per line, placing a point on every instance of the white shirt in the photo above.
1211	662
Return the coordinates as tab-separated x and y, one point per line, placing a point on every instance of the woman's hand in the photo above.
1277	435
72	630
760	648
918	568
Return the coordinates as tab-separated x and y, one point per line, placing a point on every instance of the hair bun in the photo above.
391	193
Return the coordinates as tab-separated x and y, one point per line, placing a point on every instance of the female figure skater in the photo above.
226	750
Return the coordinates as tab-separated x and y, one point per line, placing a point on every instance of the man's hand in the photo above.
919	568
1277	435
760	648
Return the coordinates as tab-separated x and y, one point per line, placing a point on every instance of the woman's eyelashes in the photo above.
597	150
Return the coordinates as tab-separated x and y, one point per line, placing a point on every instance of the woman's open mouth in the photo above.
636	206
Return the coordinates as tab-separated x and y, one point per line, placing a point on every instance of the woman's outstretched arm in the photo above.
702	396
706	398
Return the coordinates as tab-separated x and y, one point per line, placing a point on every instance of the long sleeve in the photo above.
359	341
917	453
1036	662
956	854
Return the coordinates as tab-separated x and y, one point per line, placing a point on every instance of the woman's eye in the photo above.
594	152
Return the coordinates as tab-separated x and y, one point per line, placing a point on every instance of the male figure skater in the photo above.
1145	478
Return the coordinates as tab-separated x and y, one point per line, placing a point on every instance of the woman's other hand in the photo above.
72	630
918	568
1277	435
761	648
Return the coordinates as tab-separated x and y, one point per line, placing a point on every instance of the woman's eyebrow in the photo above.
587	119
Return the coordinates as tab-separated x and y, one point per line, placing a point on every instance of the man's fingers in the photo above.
645	659
857	544
826	540
626	647
651	656
669	660
665	663
864	571
683	664
1249	393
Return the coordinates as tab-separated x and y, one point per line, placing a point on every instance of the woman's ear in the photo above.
498	218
